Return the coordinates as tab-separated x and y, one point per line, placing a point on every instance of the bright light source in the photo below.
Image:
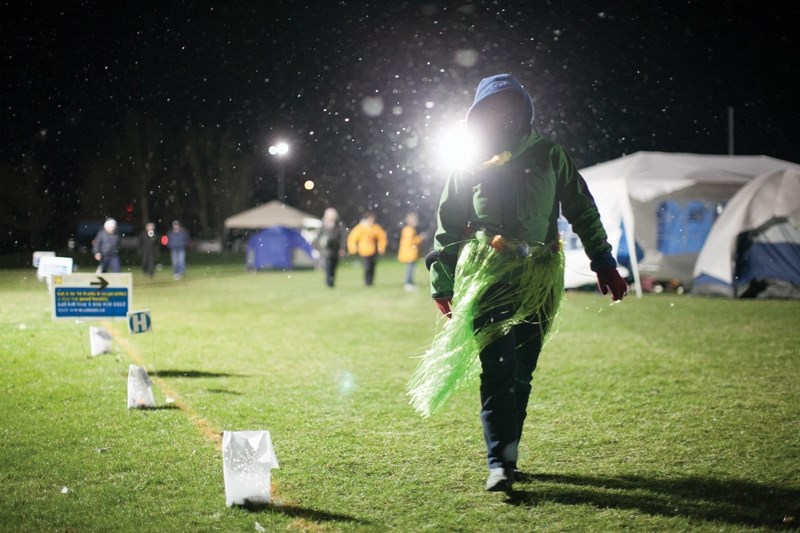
456	148
279	149
308	185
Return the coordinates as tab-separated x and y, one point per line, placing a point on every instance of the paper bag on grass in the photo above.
99	340
247	459
140	388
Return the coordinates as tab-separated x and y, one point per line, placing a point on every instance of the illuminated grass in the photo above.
669	413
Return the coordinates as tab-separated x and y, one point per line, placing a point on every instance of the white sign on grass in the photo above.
51	265
38	255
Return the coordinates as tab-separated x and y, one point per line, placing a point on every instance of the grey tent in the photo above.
753	248
270	215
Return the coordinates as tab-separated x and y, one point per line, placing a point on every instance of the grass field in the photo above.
667	413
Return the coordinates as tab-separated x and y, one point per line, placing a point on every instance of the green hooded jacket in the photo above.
519	200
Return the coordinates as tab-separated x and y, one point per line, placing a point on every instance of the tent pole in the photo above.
637	282
627	220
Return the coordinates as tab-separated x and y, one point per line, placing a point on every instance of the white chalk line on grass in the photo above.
202	425
199	422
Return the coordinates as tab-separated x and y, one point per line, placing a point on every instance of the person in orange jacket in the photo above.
408	251
368	240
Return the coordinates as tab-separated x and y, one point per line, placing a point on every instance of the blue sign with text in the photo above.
87	296
84	302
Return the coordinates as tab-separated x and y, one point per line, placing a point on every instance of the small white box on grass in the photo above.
140	388
99	340
247	460
39	254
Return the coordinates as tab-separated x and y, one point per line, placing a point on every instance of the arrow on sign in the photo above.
103	283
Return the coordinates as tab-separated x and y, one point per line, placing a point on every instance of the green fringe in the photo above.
453	361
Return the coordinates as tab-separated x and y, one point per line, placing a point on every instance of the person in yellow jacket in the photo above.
408	252
368	240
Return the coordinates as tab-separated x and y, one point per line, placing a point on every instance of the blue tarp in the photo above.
684	225
274	248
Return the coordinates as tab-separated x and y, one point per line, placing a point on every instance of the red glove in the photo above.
443	305
608	279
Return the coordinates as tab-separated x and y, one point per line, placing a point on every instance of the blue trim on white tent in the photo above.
764	261
756	260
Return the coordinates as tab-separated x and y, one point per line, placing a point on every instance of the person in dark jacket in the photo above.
178	241
331	243
105	247
148	248
497	267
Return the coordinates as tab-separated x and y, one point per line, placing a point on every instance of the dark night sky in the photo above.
360	89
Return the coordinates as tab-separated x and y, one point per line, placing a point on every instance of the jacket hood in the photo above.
499	83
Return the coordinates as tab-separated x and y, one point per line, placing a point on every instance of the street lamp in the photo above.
280	150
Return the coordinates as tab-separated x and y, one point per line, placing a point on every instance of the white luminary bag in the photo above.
140	388
247	460
99	341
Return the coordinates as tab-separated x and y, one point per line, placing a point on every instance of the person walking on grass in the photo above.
178	240
368	240
331	243
148	249
497	270
105	247
408	251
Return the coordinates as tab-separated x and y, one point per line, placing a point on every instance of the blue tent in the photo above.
275	248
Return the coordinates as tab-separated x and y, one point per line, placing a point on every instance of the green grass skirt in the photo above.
453	361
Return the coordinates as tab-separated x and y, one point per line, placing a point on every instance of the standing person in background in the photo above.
148	249
368	240
497	269
331	243
105	247
408	251
178	241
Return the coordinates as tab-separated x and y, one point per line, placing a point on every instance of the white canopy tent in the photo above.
630	191
272	214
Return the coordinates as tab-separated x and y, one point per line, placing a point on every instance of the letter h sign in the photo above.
139	322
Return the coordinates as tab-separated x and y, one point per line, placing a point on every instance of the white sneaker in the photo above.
499	480
410	287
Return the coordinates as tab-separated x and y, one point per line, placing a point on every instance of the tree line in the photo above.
146	173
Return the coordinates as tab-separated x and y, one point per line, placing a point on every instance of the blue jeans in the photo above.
109	263
507	366
178	259
410	273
